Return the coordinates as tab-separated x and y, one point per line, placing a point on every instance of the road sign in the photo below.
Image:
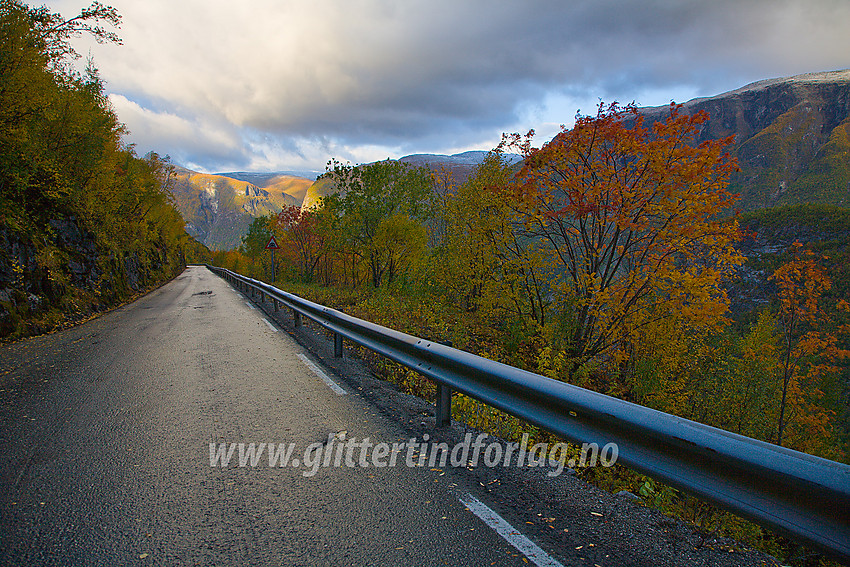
272	245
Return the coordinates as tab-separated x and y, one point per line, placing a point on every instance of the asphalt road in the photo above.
106	431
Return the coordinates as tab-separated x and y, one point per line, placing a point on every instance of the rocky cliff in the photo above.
792	138
218	209
68	275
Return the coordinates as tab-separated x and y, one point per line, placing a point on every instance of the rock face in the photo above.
218	209
67	274
256	200
791	138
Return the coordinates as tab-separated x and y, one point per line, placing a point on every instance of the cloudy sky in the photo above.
268	85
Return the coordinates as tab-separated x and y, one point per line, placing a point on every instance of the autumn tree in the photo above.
809	349
485	260
629	213
303	238
381	208
63	167
55	127
55	32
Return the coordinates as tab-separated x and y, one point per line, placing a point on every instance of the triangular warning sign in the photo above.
272	245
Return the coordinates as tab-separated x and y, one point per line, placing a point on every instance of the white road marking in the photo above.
508	532
331	384
250	306
267	322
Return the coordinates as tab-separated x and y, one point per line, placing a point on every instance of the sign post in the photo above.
272	245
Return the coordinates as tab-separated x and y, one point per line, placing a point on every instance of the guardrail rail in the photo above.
802	496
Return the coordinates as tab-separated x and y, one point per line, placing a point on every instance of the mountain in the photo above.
461	165
792	138
320	188
219	208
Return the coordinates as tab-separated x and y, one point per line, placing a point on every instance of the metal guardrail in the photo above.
802	496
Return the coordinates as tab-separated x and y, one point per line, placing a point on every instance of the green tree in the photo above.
258	235
375	204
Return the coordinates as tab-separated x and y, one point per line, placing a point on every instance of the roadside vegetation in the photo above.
84	222
604	260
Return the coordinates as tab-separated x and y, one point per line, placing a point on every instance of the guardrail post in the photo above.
296	318
443	411
276	306
337	345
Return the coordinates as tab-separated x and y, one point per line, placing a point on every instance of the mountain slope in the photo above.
461	165
792	138
219	208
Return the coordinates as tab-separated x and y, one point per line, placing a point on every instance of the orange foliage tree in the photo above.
303	239
629	215
809	350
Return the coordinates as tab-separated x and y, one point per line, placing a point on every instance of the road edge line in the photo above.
510	534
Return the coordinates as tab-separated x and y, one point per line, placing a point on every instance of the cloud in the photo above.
189	141
288	78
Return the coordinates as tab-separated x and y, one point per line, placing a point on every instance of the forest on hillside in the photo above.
608	259
84	221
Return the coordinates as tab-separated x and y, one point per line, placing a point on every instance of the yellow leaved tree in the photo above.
809	351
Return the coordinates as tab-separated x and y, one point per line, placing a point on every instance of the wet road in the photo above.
106	431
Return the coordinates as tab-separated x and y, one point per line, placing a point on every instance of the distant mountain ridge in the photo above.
461	165
792	138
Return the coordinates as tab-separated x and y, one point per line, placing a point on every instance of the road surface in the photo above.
106	430
115	436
